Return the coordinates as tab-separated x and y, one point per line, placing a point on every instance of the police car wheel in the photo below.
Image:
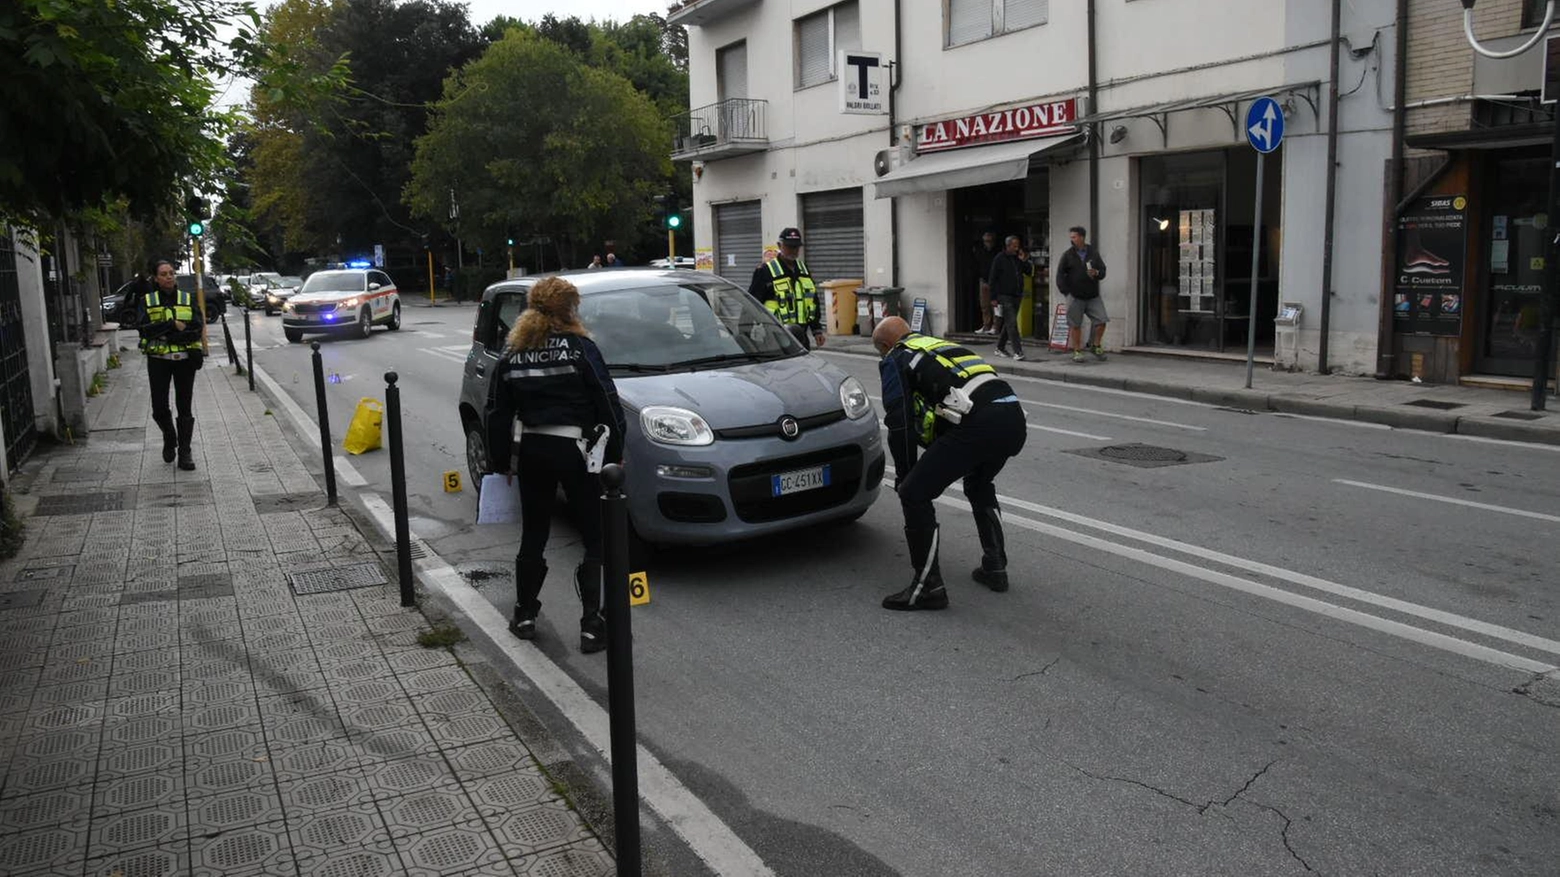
476	456
293	336
365	323
395	316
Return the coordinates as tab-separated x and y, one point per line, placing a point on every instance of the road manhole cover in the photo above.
1144	456
1434	403
344	578
1519	415
21	599
80	504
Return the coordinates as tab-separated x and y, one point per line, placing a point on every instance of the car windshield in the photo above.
695	323
335	281
292	282
266	276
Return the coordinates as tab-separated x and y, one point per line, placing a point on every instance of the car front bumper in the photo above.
723	493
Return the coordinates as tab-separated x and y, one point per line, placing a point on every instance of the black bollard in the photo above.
324	415
403	534
249	352
620	673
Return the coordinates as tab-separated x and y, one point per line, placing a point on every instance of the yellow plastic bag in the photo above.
364	431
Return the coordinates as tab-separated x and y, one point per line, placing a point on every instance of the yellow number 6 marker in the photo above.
638	589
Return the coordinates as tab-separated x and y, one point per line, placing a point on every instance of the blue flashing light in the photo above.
330	316
360	263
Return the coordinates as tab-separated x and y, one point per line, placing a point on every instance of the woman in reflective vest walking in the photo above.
171	328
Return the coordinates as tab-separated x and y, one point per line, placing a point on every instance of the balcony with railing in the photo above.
721	130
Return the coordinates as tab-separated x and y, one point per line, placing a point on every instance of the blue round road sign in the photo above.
1265	124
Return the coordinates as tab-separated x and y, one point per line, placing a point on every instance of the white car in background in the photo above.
682	262
352	300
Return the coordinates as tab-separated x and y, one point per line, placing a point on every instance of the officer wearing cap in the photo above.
786	288
944	398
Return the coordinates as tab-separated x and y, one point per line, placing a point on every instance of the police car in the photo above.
352	300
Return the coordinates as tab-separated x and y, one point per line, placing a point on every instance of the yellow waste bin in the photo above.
841	305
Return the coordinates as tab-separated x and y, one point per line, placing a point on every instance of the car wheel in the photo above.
476	457
293	335
365	323
395	316
270	312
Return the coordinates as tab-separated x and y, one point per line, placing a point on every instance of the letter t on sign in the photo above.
862	63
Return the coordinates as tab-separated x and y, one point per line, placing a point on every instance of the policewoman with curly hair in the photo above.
547	403
171	327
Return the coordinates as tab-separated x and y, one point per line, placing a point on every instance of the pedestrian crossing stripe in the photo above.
453	353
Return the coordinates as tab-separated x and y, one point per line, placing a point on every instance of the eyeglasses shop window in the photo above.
820	37
968	21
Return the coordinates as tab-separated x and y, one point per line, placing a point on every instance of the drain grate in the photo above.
1238	410
1519	415
1144	456
343	578
272	503
80	504
44	572
1435	403
21	599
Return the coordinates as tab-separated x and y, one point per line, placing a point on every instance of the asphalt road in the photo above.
1319	646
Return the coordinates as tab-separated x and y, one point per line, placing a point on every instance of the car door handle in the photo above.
480	370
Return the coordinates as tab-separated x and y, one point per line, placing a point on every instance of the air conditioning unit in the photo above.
891	159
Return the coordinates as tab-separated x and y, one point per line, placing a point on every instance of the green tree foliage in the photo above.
534	142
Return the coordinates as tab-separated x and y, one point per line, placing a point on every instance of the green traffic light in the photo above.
197	229
674	221
511	242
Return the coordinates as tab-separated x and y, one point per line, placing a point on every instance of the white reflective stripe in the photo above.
916	360
559	430
550	371
976	382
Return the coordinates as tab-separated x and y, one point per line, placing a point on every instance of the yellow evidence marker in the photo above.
452	481
638	588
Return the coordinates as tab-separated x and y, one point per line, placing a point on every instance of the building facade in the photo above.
1469	237
994	123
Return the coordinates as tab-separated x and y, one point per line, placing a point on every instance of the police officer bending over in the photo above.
554	418
941	397
786	288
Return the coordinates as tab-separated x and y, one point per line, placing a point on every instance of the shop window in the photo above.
968	21
820	37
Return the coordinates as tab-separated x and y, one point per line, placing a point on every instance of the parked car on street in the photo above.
735	430
352	300
271	291
110	304
217	298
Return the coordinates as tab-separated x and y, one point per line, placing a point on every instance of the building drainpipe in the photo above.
1332	188
895	73
1384	356
1094	140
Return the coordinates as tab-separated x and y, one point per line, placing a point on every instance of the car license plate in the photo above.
800	480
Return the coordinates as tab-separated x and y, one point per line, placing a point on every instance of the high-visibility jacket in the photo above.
181	309
795	302
931	368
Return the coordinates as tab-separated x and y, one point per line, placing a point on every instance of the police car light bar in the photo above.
360	263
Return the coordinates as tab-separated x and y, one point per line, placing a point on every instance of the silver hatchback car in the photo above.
734	429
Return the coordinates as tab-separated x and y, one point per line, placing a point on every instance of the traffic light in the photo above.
197	228
673	219
511	242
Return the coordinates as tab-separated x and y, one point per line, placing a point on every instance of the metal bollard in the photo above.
324	415
403	534
620	673
249	352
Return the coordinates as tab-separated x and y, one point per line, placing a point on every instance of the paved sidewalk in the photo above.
181	708
1487	413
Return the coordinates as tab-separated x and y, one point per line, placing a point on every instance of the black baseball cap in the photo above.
791	237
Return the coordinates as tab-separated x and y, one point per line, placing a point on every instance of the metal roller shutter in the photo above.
739	240
832	231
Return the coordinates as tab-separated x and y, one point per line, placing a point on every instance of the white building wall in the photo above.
35	328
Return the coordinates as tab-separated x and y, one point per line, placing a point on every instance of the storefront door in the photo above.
1513	275
1020	208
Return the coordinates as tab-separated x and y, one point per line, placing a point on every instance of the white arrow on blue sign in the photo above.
1265	124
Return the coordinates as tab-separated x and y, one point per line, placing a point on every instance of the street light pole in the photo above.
1546	298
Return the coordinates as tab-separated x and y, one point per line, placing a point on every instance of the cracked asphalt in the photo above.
1155	695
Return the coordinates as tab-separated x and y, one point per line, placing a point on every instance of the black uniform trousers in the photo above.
546	461
179	372
975	450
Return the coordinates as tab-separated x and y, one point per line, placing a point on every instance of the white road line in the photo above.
1537	516
1494	631
1235	583
1130	417
443	354
308	427
710	838
1036	426
1532	446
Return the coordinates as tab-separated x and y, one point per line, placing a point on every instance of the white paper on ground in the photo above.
500	502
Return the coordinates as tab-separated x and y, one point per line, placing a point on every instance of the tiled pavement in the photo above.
169	705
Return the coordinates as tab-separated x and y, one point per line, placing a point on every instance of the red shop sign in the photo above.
1021	123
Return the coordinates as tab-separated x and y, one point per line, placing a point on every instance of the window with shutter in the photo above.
812	49
968	21
731	72
1017	14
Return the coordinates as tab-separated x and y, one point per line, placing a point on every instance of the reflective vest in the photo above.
795	302
961	367
182	310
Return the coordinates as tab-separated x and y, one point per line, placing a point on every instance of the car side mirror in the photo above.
372	287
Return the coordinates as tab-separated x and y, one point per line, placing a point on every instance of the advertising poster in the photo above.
1432	250
704	258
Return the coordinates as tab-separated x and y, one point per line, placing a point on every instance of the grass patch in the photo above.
441	637
12	530
113	361
268	413
99	384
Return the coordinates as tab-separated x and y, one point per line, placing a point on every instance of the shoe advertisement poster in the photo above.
1432	253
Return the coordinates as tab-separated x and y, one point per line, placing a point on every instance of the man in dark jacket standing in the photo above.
985	254
1078	276
1008	271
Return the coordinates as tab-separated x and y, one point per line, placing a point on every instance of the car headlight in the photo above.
349	304
853	398
675	426
287	307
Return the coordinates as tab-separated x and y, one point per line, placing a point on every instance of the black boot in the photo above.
992	571
164	422
926	589
186	432
529	576
593	627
